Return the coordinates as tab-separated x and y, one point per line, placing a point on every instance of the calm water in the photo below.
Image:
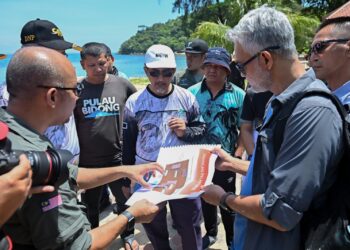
131	65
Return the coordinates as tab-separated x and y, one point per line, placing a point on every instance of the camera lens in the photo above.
49	167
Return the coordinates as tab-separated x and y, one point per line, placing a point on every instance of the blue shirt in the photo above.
220	113
343	93
300	172
240	224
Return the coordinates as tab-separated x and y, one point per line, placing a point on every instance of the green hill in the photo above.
174	33
211	21
171	33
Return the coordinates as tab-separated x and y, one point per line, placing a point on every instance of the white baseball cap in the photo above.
160	56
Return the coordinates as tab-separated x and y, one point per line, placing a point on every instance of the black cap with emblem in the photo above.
45	33
197	46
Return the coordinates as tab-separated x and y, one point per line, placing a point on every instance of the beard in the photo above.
161	91
161	88
260	81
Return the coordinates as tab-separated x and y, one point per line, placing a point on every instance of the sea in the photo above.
131	65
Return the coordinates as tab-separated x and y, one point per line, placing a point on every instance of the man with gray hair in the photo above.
281	184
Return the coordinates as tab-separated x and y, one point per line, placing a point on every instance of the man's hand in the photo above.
143	211
177	125
15	187
41	189
223	162
212	194
239	152
137	172
102	236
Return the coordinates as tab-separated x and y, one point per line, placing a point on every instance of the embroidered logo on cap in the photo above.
29	38
56	31
162	55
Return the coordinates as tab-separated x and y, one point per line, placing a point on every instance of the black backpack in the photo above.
326	227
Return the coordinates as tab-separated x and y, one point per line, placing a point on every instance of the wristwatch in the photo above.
223	203
131	220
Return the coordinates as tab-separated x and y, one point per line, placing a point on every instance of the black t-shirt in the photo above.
235	76
99	120
254	106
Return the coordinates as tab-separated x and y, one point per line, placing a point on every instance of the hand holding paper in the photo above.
186	170
137	172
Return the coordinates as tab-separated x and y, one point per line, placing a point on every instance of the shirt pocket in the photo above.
267	150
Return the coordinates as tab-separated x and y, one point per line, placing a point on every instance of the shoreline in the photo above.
139	82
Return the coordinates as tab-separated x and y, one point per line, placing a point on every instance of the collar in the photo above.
343	92
20	127
227	87
114	71
306	81
160	96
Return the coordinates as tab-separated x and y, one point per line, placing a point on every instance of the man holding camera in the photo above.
43	91
15	184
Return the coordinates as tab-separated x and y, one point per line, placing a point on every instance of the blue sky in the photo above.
82	21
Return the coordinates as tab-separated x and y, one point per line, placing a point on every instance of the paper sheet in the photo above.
187	169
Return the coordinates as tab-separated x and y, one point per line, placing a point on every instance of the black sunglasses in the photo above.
241	66
320	46
164	73
77	90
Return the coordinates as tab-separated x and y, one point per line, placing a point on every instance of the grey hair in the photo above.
264	27
341	29
26	71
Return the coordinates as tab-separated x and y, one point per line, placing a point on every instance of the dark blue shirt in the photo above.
300	172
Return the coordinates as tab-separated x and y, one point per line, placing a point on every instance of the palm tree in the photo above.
316	7
304	26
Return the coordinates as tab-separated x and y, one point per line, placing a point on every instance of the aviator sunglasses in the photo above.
320	46
164	73
77	90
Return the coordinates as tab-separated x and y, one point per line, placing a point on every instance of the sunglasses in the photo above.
241	66
164	73
320	46
77	90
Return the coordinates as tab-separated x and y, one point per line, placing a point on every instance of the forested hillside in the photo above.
171	33
210	19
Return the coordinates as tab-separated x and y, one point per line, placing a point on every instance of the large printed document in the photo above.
186	170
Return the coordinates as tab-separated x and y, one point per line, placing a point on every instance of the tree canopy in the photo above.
210	19
172	33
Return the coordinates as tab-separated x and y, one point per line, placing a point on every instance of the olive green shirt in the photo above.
48	220
187	79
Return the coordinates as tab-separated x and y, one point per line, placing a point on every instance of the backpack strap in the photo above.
287	109
285	112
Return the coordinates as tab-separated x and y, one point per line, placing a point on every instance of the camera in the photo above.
49	167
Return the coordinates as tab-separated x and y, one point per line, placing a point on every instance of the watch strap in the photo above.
131	220
223	203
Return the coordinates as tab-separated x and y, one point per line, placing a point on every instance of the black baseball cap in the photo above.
45	33
197	46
